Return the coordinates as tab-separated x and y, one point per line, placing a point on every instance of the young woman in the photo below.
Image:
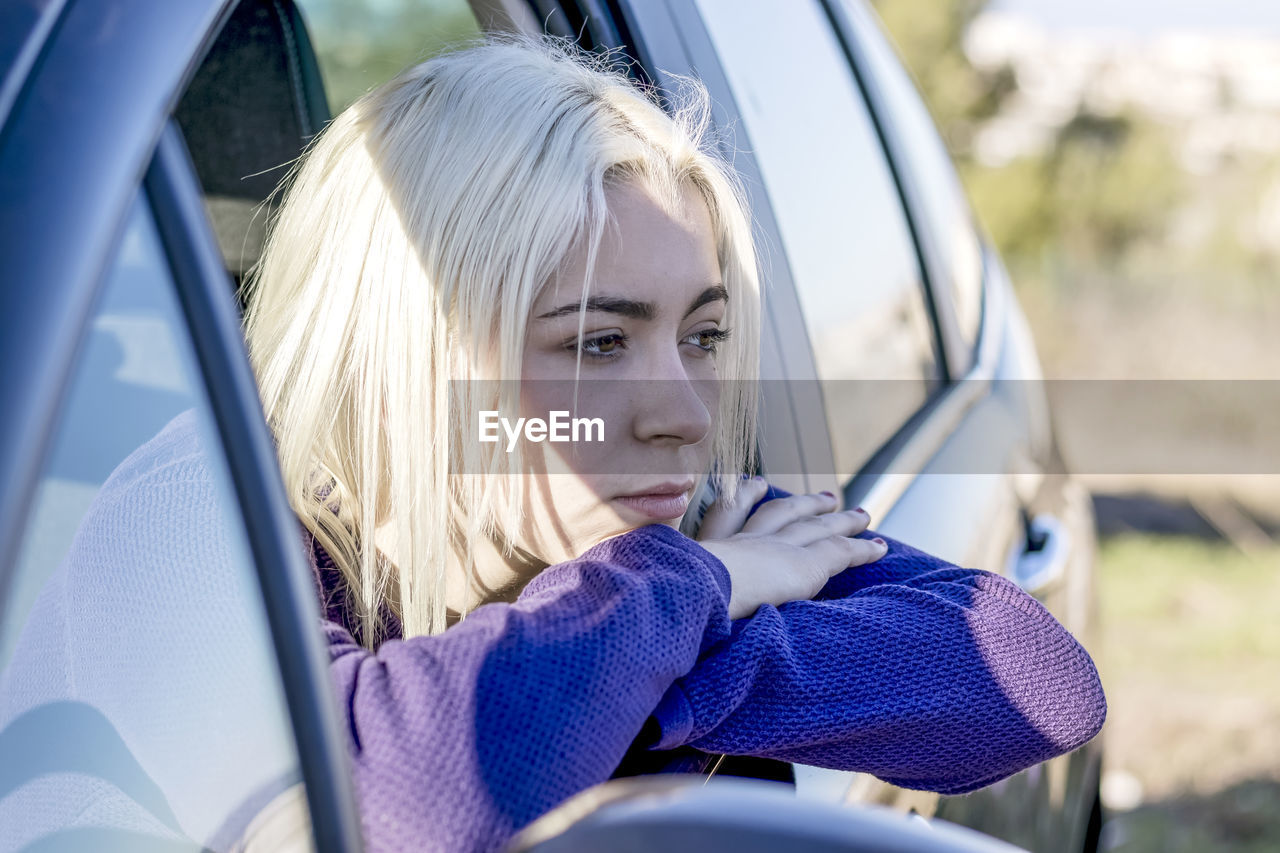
504	626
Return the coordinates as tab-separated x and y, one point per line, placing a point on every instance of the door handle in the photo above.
1043	557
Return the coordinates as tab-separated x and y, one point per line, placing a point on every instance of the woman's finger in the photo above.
837	553
812	528
777	514
724	518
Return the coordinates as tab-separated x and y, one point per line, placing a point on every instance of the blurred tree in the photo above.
1104	184
930	38
1113	182
1015	204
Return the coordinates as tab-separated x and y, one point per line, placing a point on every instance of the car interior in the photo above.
255	102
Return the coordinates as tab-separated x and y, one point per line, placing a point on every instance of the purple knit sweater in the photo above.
924	674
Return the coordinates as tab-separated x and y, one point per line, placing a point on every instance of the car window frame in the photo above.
935	383
849	20
678	22
971	367
73	171
664	40
204	291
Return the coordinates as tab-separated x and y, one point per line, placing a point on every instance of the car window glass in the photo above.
140	703
945	207
361	44
843	229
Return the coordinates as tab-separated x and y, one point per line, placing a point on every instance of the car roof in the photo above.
24	26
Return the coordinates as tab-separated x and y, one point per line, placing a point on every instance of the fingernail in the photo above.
758	478
861	510
880	541
828	494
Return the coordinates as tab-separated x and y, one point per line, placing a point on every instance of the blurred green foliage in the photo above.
929	35
1103	186
363	43
1106	184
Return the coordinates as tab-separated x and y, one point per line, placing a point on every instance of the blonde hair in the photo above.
415	233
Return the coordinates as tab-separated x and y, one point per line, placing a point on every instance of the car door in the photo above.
956	457
162	685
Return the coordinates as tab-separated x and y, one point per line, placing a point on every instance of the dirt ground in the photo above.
1191	664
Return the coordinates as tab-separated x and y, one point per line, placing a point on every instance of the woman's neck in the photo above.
487	577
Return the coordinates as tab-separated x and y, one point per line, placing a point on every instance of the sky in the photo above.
1145	17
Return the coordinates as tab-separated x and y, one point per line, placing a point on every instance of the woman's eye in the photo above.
708	340
603	346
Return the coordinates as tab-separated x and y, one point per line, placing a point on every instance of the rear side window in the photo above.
843	227
944	206
140	702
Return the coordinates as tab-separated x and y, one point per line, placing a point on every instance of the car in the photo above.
169	700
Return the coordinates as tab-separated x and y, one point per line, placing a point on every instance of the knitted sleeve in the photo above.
460	739
927	675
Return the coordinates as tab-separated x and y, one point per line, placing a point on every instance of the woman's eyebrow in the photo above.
632	308
609	304
714	293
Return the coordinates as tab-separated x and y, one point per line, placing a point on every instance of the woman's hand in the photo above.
788	549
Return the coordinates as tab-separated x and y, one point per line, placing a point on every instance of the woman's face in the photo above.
648	338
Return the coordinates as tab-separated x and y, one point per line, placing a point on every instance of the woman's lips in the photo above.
659	506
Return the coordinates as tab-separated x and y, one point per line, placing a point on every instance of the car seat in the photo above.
254	103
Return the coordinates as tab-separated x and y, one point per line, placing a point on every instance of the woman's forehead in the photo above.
649	252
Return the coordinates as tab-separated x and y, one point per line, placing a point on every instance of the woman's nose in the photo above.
671	407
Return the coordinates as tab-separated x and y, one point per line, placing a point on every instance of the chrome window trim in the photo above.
947	411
